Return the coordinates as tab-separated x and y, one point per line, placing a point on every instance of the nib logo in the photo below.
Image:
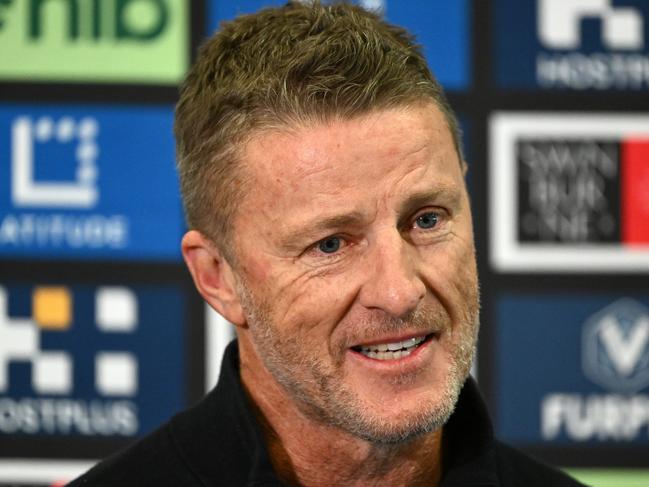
141	41
133	20
3	5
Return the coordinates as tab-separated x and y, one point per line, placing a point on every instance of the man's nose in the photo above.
393	284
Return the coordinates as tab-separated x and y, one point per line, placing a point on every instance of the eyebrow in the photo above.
450	195
323	226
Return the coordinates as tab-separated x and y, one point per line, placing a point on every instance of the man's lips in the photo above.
392	349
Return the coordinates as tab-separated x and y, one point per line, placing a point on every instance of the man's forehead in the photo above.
339	144
346	171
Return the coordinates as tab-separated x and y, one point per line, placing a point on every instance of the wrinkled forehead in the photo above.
347	162
277	153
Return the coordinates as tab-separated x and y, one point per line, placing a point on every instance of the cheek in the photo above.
450	273
257	271
312	313
319	304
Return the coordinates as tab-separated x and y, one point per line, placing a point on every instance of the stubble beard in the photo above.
319	390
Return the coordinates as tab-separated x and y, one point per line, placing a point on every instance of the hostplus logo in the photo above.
615	356
616	58
51	403
54	167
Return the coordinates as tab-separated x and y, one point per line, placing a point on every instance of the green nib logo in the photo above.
103	41
119	20
3	4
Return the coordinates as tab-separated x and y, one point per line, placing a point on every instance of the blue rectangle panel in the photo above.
572	369
90	361
560	45
88	182
441	27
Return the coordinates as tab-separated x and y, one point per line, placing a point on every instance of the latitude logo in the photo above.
27	135
615	347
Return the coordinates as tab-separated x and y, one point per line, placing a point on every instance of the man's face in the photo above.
357	270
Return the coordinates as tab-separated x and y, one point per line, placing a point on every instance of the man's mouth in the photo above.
392	351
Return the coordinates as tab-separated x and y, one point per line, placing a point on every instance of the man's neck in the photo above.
326	458
310	453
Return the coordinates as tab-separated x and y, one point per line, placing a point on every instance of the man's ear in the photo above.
213	276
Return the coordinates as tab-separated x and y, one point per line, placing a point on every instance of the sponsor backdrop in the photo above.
102	336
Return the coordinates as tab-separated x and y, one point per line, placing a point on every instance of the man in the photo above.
323	182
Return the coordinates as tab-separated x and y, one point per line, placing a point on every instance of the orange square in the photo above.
52	307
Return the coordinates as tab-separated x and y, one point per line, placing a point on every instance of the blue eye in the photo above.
427	220
329	245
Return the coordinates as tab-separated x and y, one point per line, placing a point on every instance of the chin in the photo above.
400	420
406	427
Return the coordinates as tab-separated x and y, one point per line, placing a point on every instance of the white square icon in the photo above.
116	309
116	374
52	373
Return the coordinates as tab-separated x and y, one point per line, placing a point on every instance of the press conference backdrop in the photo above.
102	336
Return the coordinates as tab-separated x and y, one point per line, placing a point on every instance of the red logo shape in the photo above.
635	191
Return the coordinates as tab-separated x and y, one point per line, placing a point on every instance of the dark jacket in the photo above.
219	443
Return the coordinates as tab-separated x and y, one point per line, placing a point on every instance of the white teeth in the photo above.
392	351
409	343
